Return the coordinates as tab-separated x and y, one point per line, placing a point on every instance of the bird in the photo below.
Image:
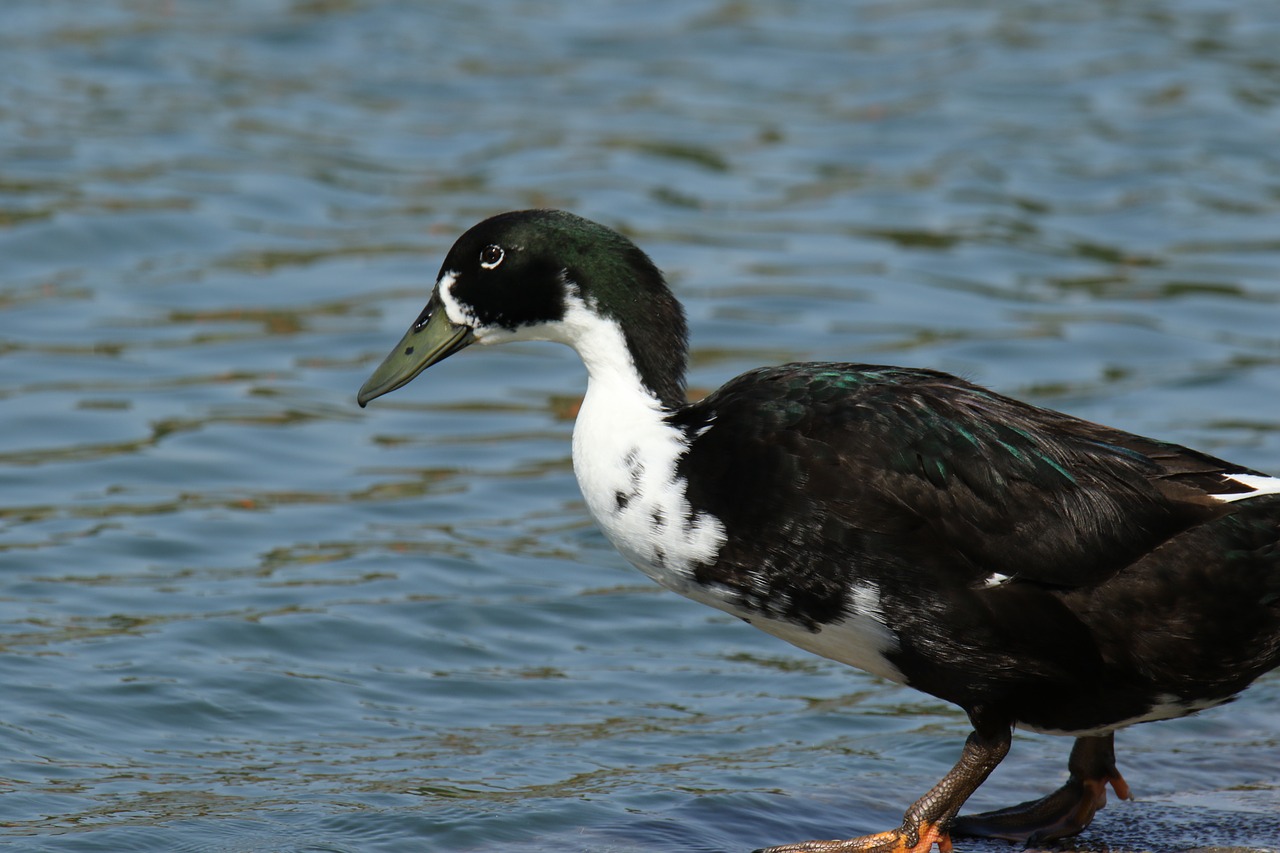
1039	571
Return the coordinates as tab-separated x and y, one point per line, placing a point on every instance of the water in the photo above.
238	613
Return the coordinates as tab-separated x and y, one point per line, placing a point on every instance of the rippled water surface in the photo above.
237	613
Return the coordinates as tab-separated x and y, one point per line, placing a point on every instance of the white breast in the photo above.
625	454
625	458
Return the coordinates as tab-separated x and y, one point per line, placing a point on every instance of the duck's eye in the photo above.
491	256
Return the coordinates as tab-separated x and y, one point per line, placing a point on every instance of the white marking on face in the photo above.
1261	485
457	313
995	579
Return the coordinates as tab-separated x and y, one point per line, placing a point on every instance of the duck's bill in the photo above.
433	337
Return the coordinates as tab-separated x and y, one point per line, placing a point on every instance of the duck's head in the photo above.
546	275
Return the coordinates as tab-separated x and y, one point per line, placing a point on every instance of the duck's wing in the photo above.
879	461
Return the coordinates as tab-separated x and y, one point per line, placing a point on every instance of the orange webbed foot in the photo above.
903	840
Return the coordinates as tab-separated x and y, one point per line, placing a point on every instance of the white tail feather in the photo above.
1260	485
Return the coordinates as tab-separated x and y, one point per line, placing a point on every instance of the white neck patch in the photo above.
624	452
625	456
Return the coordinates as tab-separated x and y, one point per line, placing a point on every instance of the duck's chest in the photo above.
626	458
627	461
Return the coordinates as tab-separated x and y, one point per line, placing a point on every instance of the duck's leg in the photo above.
1067	810
928	821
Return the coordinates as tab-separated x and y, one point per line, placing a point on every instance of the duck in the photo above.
1037	570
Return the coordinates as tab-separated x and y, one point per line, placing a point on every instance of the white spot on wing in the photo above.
995	579
1261	485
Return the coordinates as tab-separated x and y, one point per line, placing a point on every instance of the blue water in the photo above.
237	613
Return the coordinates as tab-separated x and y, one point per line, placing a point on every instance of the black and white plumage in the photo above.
1033	568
